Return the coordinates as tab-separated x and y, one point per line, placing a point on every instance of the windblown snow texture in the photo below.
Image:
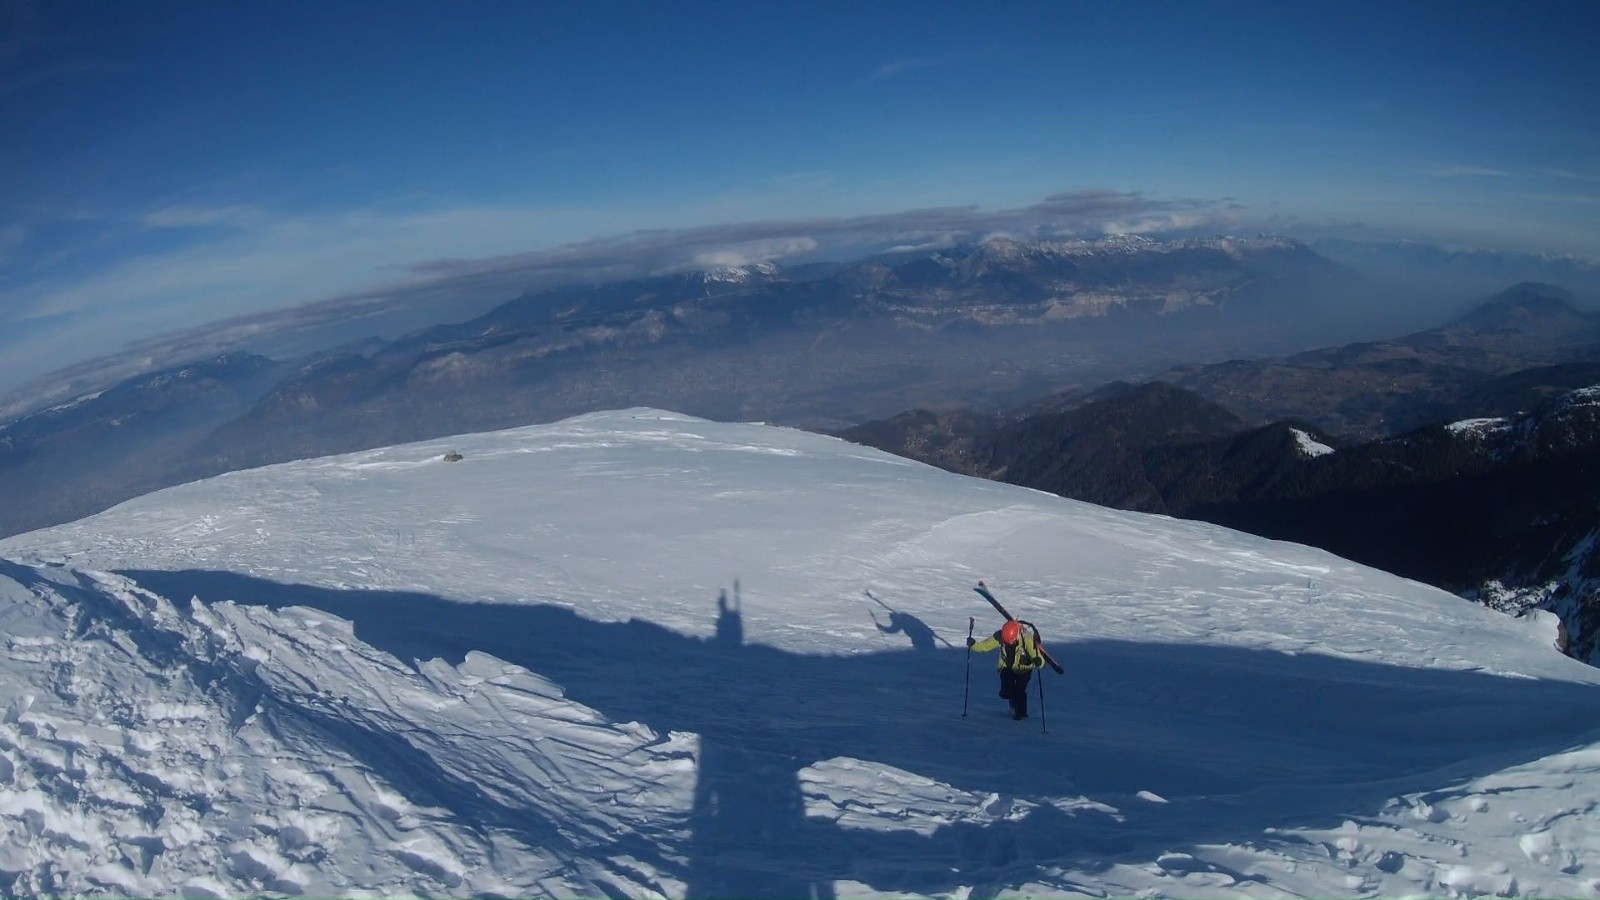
639	654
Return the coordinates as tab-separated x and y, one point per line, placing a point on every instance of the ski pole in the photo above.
1042	726
967	687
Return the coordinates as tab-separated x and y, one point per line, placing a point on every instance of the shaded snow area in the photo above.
639	654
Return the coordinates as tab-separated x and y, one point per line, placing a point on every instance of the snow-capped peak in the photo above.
1568	420
1309	445
1478	427
1589	396
741	274
1007	248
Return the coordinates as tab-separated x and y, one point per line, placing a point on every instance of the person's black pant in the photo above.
1014	687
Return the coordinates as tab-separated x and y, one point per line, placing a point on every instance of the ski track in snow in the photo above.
639	654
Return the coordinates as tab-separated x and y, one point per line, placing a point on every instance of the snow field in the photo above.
640	654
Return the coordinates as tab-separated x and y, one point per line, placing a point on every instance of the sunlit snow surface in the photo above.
640	654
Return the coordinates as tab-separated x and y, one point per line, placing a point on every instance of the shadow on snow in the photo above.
1236	740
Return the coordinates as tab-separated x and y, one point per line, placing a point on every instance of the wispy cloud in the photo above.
1552	178
237	216
756	252
242	258
905	65
901	66
1543	173
1469	171
1567	175
1560	197
1159	224
12	237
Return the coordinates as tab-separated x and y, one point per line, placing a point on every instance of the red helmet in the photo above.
1010	632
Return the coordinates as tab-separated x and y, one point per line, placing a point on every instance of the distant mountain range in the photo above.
67	461
819	345
962	326
1503	506
1371	389
1428	266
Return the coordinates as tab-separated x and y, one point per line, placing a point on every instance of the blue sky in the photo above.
168	164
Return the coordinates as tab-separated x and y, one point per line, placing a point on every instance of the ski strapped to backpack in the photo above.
983	591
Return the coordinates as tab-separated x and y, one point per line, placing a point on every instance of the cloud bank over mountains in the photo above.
1084	213
267	279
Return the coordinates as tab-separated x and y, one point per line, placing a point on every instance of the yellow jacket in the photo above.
1023	656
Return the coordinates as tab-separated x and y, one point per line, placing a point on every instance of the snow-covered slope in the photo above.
639	654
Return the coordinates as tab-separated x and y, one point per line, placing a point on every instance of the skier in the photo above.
1020	654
